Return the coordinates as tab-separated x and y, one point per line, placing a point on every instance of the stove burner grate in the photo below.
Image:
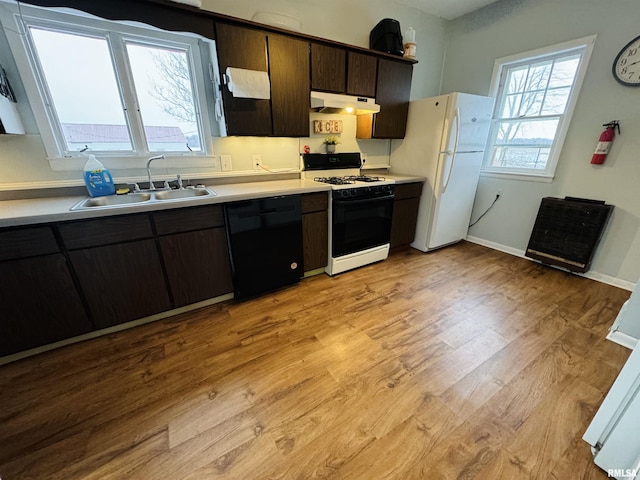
365	178
335	180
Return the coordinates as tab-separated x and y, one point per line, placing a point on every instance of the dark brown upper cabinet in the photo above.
245	48
340	71
328	68
289	72
286	59
361	77
393	90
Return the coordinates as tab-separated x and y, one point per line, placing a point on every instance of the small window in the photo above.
83	90
535	95
162	79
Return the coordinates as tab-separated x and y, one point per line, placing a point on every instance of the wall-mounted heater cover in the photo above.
567	231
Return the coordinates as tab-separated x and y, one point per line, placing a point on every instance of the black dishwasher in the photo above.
265	240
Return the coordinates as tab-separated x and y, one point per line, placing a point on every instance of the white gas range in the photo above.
360	210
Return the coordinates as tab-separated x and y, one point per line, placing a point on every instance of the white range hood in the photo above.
336	103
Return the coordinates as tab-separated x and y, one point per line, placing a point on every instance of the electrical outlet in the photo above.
256	160
226	163
364	158
499	192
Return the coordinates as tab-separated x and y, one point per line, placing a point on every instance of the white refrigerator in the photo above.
614	432
444	142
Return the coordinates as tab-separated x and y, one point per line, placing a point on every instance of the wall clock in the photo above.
626	66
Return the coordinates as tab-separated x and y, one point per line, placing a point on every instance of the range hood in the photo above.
335	103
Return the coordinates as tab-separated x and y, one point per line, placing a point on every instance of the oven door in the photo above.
359	224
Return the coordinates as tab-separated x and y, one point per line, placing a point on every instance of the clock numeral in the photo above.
631	74
623	61
623	70
632	52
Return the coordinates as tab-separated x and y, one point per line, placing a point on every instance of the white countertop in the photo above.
55	209
403	178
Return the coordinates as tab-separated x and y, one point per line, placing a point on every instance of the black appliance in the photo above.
567	231
361	218
265	240
386	37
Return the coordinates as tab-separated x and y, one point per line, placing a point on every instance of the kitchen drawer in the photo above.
408	190
315	202
105	231
27	242
188	219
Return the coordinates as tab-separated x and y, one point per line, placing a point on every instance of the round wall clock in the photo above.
626	66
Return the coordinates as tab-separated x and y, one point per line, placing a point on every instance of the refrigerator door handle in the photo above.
455	149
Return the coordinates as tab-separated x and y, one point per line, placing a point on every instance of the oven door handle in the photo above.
363	200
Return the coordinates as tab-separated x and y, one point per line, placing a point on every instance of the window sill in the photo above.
526	177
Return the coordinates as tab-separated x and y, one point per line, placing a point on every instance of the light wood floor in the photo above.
463	363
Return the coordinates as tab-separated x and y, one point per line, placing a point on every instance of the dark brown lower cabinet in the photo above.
315	240
405	214
197	265
121	282
39	302
315	230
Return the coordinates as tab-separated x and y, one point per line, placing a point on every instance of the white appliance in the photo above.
626	328
613	432
360	210
339	103
445	142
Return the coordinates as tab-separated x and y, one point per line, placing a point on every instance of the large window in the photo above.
124	92
535	94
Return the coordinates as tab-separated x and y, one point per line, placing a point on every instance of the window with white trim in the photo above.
111	89
535	95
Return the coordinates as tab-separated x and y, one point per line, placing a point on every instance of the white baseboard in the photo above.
623	339
599	277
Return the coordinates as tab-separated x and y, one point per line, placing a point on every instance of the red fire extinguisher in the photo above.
605	141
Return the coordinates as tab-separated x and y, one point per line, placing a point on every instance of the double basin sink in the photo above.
151	196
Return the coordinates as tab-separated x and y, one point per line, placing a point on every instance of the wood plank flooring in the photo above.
463	363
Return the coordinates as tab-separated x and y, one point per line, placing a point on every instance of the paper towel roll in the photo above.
248	83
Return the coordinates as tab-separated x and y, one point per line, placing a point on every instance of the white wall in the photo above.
513	26
23	162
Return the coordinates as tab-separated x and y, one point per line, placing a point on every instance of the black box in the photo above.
567	231
386	37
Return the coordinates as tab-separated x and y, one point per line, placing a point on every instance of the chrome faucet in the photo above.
157	157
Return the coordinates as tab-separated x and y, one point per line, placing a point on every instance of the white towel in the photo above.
9	118
248	83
